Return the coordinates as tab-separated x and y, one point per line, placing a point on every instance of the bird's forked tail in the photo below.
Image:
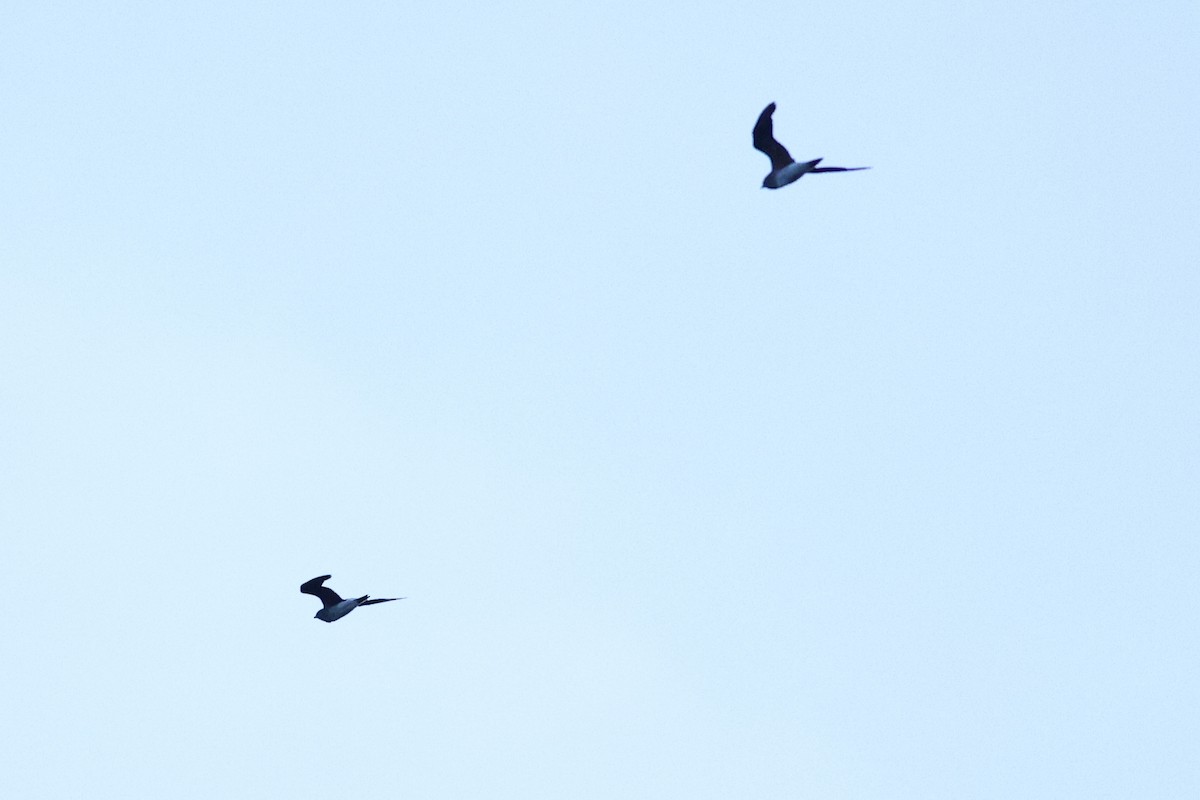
364	601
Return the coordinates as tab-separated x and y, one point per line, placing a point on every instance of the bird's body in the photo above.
337	610
784	169
333	607
788	174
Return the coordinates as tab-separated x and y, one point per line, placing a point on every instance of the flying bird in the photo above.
333	607
784	169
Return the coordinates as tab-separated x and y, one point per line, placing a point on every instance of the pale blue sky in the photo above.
882	485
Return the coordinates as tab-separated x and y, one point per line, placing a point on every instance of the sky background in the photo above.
883	485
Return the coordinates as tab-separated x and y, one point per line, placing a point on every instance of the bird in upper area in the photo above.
333	607
784	169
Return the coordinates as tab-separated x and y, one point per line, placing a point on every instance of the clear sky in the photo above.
883	485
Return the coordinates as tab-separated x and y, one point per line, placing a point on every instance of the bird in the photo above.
333	607
784	169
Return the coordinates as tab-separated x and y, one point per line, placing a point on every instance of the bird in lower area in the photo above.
784	169
333	607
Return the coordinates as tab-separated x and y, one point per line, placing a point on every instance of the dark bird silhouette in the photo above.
784	169
333	607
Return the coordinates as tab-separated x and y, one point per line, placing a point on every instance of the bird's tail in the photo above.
365	602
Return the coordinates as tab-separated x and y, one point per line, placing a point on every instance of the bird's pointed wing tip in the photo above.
314	583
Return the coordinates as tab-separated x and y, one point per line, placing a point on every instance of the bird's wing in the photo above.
838	169
380	600
327	596
764	140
